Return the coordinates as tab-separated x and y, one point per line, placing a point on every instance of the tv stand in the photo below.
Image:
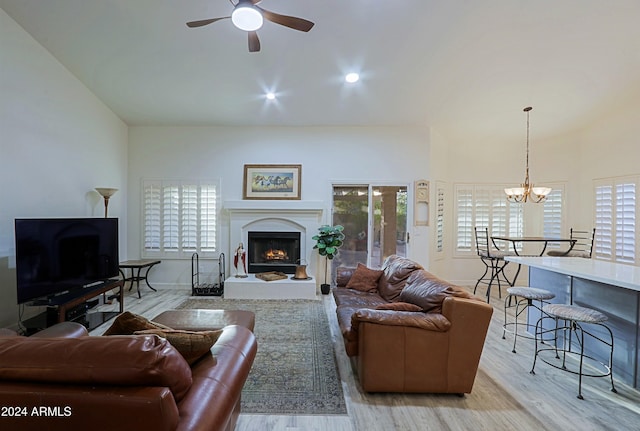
68	307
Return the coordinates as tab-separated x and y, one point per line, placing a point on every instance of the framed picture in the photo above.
272	182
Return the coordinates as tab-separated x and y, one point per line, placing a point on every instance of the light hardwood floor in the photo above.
505	395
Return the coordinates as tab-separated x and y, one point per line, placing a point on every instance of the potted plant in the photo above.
328	241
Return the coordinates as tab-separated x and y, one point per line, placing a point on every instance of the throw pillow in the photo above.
396	270
127	323
428	291
192	345
364	279
399	306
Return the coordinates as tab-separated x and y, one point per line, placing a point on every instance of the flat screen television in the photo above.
58	255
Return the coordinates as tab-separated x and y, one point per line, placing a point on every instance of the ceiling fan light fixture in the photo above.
246	17
352	77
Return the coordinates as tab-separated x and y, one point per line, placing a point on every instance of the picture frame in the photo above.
282	182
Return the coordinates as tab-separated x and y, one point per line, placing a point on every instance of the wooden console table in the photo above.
59	306
136	277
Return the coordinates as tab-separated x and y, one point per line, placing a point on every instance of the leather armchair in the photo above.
62	379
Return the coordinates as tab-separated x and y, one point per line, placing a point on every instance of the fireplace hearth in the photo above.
273	251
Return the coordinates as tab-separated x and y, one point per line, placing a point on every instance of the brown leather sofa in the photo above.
63	379
411	331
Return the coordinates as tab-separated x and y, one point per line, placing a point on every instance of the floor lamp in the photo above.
106	193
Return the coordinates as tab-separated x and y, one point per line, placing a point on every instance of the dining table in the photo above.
543	241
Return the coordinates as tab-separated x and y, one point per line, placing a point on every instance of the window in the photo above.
484	206
179	218
615	219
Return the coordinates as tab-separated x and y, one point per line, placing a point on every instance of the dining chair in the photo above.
493	260
583	246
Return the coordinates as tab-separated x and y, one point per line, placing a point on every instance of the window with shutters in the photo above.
179	218
484	206
439	218
615	219
553	210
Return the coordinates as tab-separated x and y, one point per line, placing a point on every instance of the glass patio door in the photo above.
375	223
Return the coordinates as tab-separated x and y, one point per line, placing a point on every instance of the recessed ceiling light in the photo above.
270	96
352	77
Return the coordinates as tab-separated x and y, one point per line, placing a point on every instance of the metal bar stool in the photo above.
573	316
524	298
493	259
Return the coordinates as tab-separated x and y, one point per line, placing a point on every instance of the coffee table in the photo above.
206	320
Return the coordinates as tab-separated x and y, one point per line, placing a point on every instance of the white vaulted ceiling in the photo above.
466	68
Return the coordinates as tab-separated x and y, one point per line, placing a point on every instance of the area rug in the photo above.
295	370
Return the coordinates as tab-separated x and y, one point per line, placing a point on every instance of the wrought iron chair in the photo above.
583	246
493	260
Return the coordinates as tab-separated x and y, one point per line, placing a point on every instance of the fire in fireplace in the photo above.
273	251
275	255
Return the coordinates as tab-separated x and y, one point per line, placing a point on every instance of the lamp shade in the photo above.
246	17
541	191
106	192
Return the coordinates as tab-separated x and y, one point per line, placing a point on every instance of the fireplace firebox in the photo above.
273	251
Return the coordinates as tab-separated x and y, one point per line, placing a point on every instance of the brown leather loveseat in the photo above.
407	330
63	379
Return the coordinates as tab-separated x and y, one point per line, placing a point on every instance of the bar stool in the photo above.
573	316
524	298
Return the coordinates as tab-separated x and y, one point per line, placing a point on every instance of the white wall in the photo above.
327	154
57	142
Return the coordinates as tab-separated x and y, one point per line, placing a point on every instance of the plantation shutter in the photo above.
464	217
208	218
482	209
552	216
440	219
179	218
615	219
189	225
499	214
625	211
604	221
170	218
152	216
485	206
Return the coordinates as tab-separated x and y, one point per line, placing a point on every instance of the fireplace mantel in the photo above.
274	205
275	215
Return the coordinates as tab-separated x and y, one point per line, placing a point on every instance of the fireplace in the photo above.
272	251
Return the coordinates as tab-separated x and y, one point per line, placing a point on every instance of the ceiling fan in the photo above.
248	16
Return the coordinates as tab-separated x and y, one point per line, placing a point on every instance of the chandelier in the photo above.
527	190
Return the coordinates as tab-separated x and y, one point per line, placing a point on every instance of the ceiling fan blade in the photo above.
287	21
254	42
205	22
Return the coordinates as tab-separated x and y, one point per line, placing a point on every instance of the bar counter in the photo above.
611	288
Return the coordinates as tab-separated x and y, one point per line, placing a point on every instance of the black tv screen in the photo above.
59	254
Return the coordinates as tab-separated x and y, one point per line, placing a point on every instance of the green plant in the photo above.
328	240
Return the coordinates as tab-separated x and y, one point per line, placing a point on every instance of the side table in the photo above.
139	265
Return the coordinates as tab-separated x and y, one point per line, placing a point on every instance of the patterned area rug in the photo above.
295	370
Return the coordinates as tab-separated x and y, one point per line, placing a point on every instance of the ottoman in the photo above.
206	320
